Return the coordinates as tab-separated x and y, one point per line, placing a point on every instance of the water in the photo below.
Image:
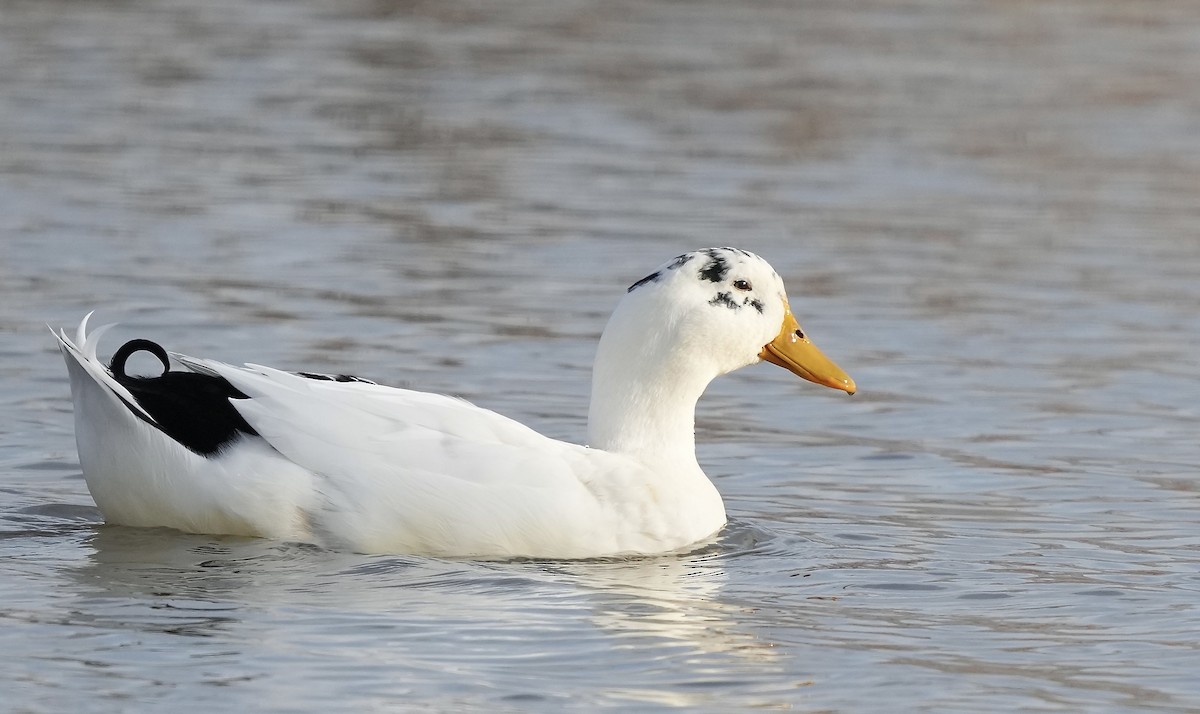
986	212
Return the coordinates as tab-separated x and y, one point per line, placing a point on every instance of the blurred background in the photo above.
987	212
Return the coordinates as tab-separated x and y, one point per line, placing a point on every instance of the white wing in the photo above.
420	472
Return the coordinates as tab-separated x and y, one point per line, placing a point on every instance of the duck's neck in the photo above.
644	394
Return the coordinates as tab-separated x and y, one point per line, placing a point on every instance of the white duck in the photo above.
350	464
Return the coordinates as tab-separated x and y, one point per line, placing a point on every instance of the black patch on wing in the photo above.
726	299
333	377
717	267
193	409
654	277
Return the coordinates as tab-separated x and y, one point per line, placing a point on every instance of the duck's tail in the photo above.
91	380
160	451
126	457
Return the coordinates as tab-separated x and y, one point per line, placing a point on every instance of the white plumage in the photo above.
375	469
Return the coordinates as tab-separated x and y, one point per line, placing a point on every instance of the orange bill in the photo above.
793	351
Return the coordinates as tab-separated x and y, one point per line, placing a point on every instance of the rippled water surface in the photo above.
987	212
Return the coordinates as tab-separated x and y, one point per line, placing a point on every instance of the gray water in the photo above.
988	213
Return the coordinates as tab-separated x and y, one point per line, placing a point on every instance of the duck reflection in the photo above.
199	585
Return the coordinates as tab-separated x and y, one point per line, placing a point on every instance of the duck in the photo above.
346	463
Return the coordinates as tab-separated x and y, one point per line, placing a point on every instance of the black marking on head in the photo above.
717	267
651	278
333	377
191	408
680	260
654	277
726	299
754	303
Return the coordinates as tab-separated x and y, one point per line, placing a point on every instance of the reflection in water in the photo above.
251	597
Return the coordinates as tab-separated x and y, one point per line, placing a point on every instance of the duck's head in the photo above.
727	306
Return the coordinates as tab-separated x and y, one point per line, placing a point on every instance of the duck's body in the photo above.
351	464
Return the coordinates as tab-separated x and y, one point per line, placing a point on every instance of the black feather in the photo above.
717	267
333	377
724	298
651	278
193	409
654	277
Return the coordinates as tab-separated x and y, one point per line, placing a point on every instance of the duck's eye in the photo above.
743	285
